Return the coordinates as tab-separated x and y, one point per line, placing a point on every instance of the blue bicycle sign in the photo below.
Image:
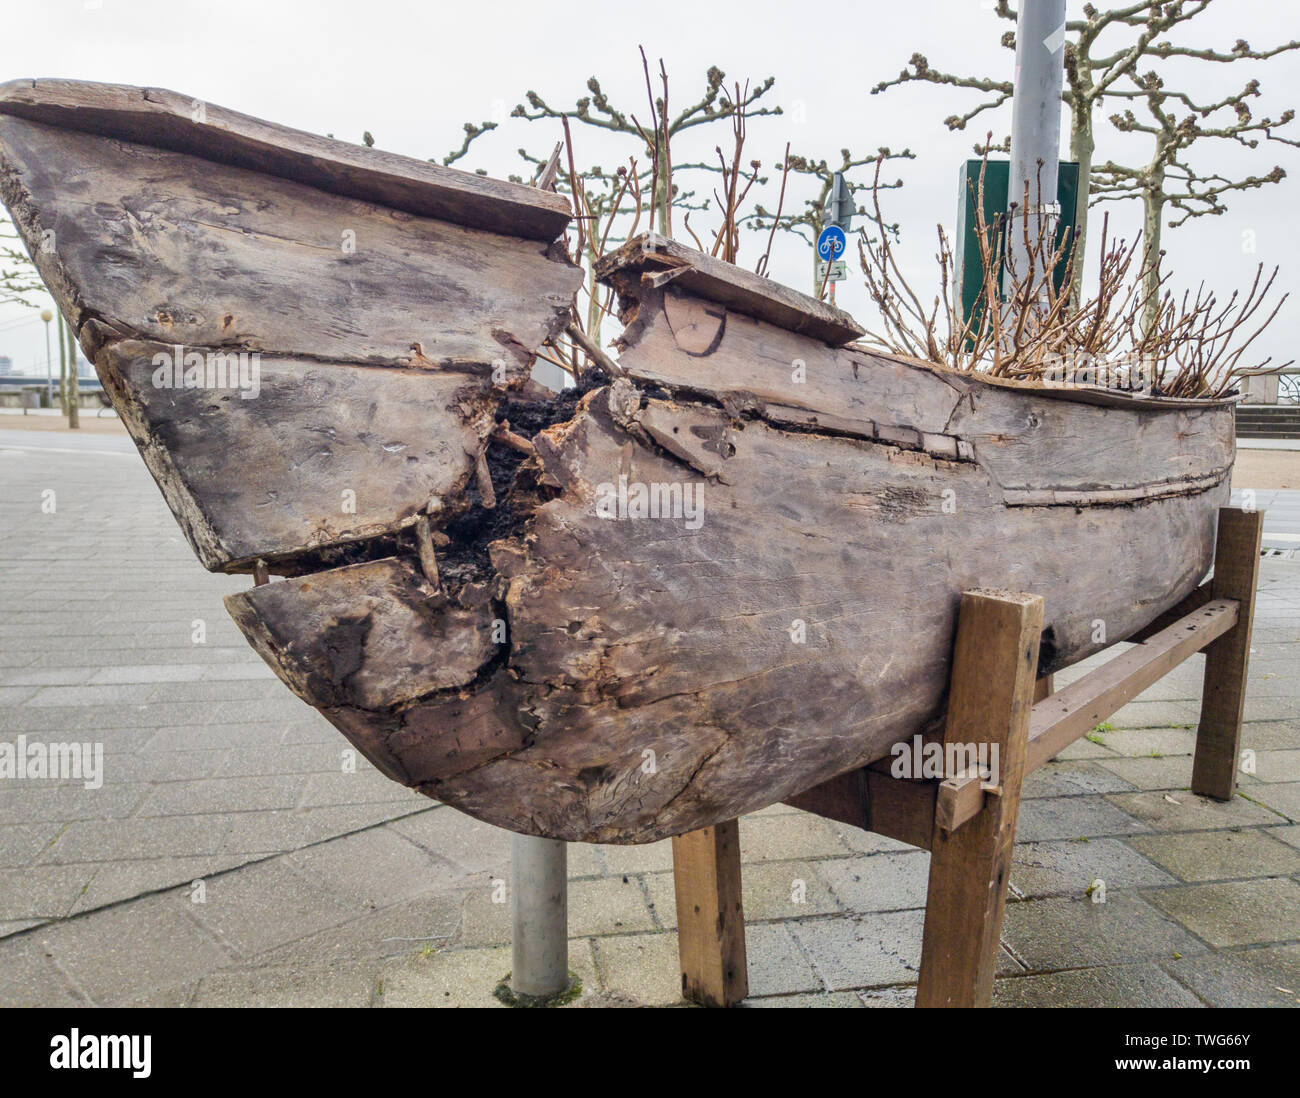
831	243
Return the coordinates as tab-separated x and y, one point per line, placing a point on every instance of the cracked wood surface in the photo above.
654	683
169	120
576	672
375	361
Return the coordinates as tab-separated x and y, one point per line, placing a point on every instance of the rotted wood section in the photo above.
789	615
300	368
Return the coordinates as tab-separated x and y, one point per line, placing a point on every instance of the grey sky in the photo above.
413	73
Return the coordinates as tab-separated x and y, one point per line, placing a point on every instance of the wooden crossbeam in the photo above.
1077	709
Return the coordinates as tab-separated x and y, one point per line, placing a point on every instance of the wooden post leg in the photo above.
710	919
991	694
1223	696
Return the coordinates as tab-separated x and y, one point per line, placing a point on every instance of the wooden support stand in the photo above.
967	820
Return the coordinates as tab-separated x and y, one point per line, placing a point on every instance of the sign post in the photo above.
833	240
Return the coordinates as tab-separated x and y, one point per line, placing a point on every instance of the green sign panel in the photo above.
969	272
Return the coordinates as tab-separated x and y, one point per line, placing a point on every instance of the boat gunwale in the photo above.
162	118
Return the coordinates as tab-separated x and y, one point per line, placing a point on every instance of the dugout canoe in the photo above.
705	587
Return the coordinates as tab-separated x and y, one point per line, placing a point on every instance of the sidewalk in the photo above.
230	859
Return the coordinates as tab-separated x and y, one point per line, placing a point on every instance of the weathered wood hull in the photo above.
717	582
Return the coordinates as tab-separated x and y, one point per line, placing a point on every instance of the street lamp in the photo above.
47	315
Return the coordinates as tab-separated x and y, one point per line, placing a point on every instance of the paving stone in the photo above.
1218	855
114	840
1268	977
39	802
642	858
1172	772
464	977
20	844
1155	714
1112	986
601	905
1189	812
834	1000
1070	779
265	905
775	962
120	953
1071	818
17	926
214	795
643	967
1283	798
1235	913
29	978
1069	867
363	786
274	831
339	985
862	950
375	868
121	880
1277	766
788	837
1271	735
426	922
1139	743
878	882
1289	833
769	890
1075	932
42	892
459	838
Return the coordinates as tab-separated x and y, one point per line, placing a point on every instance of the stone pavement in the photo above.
232	858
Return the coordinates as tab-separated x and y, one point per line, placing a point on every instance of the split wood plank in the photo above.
727	284
170	120
1227	660
710	917
989	702
163	246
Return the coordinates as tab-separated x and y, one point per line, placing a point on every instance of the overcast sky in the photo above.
412	73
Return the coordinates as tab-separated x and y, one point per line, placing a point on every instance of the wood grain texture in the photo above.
991	695
710	915
379	366
325	454
170	120
163	246
726	284
1227	660
628	636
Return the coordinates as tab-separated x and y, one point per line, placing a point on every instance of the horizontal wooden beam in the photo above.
1075	710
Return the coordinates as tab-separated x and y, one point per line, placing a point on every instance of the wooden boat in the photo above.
564	663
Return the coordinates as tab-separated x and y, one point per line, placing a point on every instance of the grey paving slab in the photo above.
120	953
1112	986
1267	977
1074	932
1071	867
1218	855
1237	912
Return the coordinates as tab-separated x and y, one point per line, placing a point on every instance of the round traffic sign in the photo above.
831	243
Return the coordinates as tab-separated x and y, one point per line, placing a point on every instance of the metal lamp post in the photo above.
47	315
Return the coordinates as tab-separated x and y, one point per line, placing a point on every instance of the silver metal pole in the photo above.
1035	127
540	904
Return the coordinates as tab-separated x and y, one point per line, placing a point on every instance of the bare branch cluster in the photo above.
1023	327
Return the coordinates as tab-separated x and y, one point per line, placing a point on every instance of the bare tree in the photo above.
18	277
1104	54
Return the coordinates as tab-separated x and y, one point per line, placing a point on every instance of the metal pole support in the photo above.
540	908
1036	127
